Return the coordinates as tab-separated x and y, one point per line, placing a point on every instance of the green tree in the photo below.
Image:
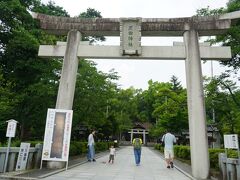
7	102
33	80
93	94
92	13
223	96
146	102
176	85
170	108
123	110
232	36
50	8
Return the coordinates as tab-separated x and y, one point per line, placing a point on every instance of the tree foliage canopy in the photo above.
232	36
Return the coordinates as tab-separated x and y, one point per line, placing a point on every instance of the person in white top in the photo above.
112	154
169	139
91	150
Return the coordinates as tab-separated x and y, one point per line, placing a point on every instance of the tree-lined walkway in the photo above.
152	168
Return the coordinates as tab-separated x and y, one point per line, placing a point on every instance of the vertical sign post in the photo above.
11	131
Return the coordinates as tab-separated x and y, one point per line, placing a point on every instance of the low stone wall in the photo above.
34	158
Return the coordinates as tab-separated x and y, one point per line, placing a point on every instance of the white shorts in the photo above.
168	153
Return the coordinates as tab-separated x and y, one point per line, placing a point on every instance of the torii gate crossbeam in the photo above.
176	52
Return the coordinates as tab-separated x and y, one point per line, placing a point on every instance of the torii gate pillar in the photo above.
68	80
196	107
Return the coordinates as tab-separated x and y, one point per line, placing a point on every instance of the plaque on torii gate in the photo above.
130	36
190	51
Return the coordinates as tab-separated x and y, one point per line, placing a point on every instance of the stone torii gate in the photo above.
130	31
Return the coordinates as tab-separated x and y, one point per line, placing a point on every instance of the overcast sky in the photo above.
136	73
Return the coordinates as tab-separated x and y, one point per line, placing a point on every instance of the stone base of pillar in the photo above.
56	165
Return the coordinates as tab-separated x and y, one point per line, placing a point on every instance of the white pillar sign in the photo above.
11	128
231	141
23	156
57	135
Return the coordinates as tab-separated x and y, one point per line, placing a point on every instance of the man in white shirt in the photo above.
169	139
91	150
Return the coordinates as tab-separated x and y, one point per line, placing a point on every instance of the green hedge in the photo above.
183	152
159	147
76	147
213	156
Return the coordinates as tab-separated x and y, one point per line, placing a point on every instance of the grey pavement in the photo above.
152	168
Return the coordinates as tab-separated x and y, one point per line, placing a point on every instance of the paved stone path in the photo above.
152	168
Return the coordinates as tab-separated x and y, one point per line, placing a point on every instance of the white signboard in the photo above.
22	156
11	128
231	141
57	135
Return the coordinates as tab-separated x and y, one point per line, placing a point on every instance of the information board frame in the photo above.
231	142
57	135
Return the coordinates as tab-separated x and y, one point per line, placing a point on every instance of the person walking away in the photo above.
112	154
168	139
91	150
137	146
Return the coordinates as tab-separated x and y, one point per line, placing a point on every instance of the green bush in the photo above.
79	148
232	153
34	143
102	146
15	143
183	152
213	156
73	149
84	148
159	147
156	146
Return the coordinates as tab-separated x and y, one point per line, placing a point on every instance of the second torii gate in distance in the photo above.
130	31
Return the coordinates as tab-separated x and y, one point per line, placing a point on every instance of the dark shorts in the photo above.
111	157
